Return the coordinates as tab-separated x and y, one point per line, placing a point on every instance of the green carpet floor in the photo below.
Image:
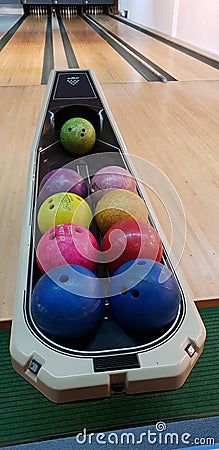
25	415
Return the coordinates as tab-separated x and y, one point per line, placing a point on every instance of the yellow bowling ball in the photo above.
61	208
118	205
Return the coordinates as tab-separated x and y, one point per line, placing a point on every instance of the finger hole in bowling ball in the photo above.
68	112
63	278
69	129
78	231
51	238
135	293
82	134
50	201
51	206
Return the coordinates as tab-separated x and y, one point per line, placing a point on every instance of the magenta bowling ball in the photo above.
61	180
108	178
67	244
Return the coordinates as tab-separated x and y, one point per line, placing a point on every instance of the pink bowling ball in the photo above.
67	244
109	178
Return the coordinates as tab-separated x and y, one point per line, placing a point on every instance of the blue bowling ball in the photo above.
68	302
144	296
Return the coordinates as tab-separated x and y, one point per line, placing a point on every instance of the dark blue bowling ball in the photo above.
144	296
68	302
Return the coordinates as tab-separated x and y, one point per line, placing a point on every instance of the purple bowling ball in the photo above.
61	180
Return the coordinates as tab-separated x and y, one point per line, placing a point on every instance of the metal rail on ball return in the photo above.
63	372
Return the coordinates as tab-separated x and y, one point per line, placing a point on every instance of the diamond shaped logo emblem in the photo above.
73	80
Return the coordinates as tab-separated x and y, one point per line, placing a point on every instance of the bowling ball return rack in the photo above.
110	361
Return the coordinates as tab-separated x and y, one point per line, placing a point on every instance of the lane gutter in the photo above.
10	33
70	56
194	54
149	70
48	61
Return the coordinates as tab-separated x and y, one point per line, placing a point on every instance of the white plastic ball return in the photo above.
110	360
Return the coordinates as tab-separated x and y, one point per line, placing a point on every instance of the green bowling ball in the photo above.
77	136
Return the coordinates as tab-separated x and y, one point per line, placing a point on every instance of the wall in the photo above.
194	22
155	14
198	24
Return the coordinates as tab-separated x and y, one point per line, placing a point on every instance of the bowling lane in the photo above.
175	127
92	51
179	65
19	113
21	60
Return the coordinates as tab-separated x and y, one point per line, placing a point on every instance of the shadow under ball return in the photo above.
81	330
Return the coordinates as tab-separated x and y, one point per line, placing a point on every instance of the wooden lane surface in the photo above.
175	127
21	60
92	51
179	65
19	113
